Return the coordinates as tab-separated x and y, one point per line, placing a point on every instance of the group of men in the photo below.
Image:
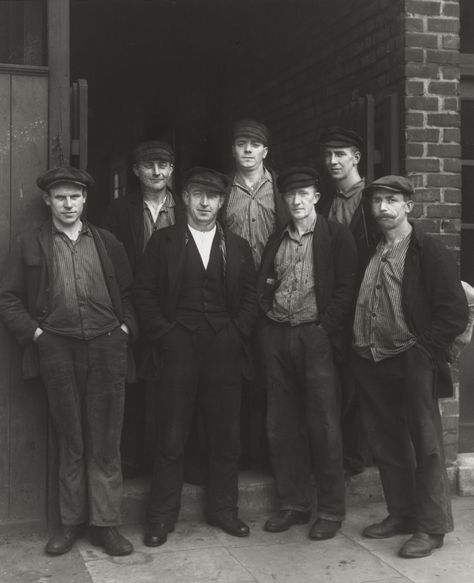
345	312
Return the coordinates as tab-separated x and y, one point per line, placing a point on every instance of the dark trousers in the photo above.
197	366
303	419
85	382
403	426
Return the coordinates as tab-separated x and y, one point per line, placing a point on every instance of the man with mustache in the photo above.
410	308
133	219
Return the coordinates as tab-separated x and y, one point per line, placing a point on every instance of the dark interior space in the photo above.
174	69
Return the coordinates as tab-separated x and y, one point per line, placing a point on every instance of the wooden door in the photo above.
34	134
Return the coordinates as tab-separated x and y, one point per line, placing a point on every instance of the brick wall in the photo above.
433	137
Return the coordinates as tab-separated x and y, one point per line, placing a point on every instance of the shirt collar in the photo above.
293	233
167	203
266	177
85	230
354	189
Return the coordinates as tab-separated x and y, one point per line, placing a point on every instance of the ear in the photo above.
186	197
221	200
171	170
409	206
265	152
135	169
357	156
317	196
46	199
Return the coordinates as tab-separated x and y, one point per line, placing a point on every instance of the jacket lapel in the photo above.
175	254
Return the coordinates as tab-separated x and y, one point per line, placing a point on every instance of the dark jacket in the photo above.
24	290
160	274
281	210
363	227
124	218
335	261
433	301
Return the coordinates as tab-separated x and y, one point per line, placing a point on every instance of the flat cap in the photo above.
251	129
207	178
153	150
65	175
398	184
339	137
297	177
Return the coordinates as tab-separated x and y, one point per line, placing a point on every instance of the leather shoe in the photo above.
420	545
390	526
113	542
323	529
230	524
156	534
62	541
283	519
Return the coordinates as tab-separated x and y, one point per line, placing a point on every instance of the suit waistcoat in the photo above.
202	293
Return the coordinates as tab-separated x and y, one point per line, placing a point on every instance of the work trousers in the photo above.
198	367
303	417
85	382
403	425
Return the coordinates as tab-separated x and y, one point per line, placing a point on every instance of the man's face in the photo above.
341	161
390	209
249	153
66	202
202	207
153	174
301	201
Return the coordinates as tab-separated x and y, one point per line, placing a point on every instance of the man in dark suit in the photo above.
195	296
133	219
65	295
305	291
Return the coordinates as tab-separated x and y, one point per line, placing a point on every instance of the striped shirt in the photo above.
80	304
165	218
251	213
380	329
295	297
345	204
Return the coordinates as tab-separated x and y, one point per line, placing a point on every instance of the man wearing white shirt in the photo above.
196	300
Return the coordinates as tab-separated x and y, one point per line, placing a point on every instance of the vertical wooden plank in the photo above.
391	150
5	121
28	410
59	82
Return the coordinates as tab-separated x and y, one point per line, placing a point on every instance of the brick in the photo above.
415	88
423	135
449	407
442	57
450	104
452	165
450	240
414	150
417	211
450	10
429	225
443	87
423	40
414	54
444	211
441	180
413	24
422	103
444	119
415	119
428	194
450	41
452	135
453	195
443	24
448	72
422	165
420	70
444	150
451	225
423	7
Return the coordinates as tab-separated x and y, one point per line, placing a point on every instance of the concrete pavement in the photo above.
197	553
